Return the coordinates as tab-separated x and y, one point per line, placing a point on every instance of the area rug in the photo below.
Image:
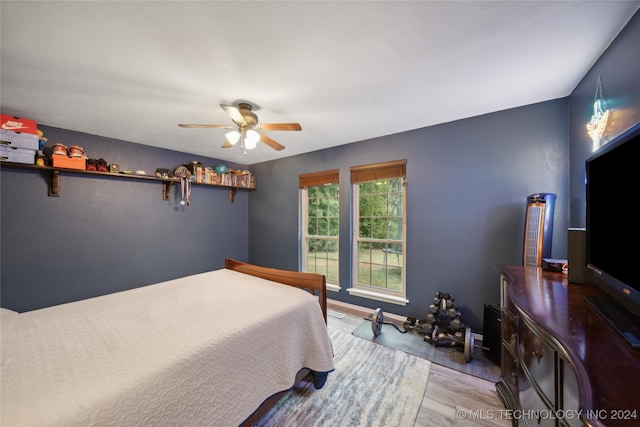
414	344
372	386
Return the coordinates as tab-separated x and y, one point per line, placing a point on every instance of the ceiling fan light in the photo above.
251	140
233	137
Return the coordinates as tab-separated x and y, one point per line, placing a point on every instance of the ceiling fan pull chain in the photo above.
182	191
242	146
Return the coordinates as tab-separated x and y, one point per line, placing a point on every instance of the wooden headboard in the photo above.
314	283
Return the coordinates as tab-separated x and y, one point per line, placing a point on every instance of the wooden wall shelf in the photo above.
54	179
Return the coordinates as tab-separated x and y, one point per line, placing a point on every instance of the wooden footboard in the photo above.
314	283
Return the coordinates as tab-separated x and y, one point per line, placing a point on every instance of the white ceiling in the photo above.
345	70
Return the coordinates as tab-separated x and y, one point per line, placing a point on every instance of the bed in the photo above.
213	348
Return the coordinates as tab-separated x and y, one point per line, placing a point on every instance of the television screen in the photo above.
613	224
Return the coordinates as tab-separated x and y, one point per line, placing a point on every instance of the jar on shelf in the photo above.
40	158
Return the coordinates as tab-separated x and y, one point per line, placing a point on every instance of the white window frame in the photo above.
367	290
332	284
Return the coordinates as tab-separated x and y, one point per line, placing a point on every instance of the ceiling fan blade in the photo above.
234	113
271	143
227	144
188	125
280	126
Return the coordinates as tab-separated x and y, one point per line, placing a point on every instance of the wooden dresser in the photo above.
562	364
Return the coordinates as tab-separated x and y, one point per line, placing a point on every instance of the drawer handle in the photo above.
514	374
538	355
514	339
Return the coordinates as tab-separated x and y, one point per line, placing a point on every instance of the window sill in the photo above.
378	296
333	288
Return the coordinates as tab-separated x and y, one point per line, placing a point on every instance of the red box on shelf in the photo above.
59	161
18	124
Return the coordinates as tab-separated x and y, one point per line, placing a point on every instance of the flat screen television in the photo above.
613	231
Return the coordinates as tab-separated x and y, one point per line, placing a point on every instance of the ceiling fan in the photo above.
246	129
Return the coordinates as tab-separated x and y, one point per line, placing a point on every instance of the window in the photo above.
379	230
320	225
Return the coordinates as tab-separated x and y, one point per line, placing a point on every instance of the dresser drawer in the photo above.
535	411
510	368
510	328
538	362
570	397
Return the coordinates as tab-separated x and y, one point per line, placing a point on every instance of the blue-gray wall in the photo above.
467	183
109	234
619	71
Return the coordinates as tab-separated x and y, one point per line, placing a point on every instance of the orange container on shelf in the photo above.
59	161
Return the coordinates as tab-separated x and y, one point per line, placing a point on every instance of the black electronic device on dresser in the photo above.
613	231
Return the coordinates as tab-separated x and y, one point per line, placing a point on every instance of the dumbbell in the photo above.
377	320
444	339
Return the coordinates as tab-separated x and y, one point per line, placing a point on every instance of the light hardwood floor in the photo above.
452	398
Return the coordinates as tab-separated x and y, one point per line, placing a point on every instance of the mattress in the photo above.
206	349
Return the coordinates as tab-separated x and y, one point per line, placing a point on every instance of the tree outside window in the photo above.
320	223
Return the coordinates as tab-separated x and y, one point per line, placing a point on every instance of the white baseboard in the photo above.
363	312
360	311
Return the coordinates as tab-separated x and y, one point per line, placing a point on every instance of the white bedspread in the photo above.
206	349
